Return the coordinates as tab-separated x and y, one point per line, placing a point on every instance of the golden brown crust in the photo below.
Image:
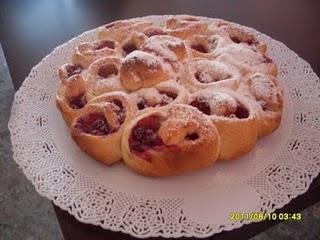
201	73
185	26
134	42
104	76
122	29
204	46
190	142
153	31
69	70
141	69
268	98
88	52
71	97
233	115
103	143
246	60
160	95
169	48
233	33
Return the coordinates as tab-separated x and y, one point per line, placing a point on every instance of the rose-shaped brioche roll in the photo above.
246	60
103	76
71	97
162	94
169	48
170	141
153	31
134	42
239	36
98	130
234	118
203	46
266	92
185	26
69	70
202	73
121	30
86	53
141	69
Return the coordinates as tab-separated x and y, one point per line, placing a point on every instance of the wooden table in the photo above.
31	29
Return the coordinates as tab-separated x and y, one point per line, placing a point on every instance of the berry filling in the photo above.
73	69
144	135
192	136
202	105
252	42
267	59
241	112
167	97
119	109
95	124
105	44
199	48
106	71
141	104
77	102
128	48
235	39
249	41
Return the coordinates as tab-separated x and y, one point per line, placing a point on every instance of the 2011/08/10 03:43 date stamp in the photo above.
259	216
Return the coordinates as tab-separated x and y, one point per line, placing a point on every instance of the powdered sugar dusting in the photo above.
222	103
244	59
206	71
162	45
263	88
102	85
150	95
144	57
105	82
188	120
155	97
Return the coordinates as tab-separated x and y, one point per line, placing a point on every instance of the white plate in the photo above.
280	167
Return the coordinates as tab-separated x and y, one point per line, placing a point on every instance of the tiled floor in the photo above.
24	214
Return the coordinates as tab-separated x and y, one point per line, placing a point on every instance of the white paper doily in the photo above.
198	204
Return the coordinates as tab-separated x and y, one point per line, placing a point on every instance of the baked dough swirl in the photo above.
170	97
170	141
233	115
98	130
